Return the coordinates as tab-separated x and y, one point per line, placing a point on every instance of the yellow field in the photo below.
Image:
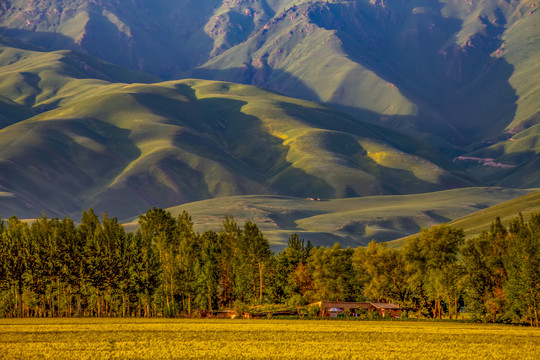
261	339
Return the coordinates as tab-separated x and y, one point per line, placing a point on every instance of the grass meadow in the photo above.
353	221
262	339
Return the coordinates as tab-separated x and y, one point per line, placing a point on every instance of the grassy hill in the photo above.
351	222
481	220
458	74
461	75
459	78
475	223
97	141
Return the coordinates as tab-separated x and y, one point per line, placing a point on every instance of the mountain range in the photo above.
123	105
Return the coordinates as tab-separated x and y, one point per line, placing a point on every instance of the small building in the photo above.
327	306
334	308
335	312
387	309
225	314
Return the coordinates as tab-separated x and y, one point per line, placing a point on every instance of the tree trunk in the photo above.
167	295
98	303
70	303
260	282
58	297
43	306
52	304
20	301
209	299
147	305
172	289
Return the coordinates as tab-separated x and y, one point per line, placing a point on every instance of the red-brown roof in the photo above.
386	306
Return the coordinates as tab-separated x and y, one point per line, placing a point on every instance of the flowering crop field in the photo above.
261	339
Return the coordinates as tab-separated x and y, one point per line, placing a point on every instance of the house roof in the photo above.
339	304
386	306
354	305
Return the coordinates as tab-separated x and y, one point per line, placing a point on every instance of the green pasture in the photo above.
473	224
352	221
261	339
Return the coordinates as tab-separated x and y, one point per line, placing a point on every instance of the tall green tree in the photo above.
112	237
483	258
334	277
159	226
18	259
73	261
95	262
433	256
232	284
522	264
383	272
46	273
255	252
187	259
209	269
290	278
146	272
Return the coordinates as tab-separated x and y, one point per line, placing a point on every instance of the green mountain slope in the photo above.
455	70
464	72
351	222
125	147
481	220
459	76
476	222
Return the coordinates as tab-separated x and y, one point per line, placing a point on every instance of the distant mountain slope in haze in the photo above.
440	94
125	147
350	222
460	75
475	223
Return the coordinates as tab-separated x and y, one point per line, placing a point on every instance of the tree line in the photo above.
54	267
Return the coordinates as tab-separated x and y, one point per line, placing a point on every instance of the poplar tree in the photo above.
522	263
483	257
433	256
159	227
255	252
187	258
383	272
208	277
17	260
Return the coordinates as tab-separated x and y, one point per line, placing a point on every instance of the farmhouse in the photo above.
334	308
386	309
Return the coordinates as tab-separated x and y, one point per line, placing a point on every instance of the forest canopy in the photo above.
55	267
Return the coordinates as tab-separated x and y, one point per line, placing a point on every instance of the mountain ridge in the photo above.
430	95
125	147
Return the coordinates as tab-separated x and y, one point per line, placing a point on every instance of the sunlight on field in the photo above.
260	339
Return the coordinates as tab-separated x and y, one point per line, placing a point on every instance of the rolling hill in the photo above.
461	76
125	105
123	147
350	222
473	224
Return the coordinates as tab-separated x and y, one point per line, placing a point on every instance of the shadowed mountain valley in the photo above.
122	105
